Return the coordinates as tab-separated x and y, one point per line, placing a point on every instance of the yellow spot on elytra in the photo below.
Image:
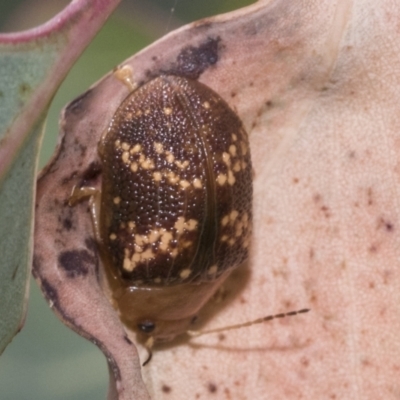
141	158
187	244
239	229
237	166
134	167
139	113
234	137
147	111
185	273
135	258
138	249
125	157
113	236
128	265
166	237
231	242
157	176
197	183
233	215
212	270
182	165
167	110
206	105
157	280
184	184
117	144
226	158
139	240
131	225
244	165
224	238
147	255
170	157
225	220
153	236
221	179
174	253
147	164
158	147
232	150
125	146
231	178
244	147
192	224
136	148
117	200
172	177
180	224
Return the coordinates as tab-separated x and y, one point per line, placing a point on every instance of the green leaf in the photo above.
32	66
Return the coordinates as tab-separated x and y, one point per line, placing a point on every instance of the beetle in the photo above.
174	214
173	217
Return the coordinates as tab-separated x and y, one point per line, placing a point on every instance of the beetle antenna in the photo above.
249	323
149	345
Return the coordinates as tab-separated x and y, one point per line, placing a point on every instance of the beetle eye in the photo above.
146	326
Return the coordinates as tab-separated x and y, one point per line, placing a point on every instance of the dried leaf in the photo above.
316	86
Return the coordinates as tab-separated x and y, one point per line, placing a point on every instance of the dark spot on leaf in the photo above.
193	61
389	226
77	106
67	223
91	173
75	262
14	274
69	178
166	388
35	266
305	362
352	154
212	387
317	198
24	89
49	292
269	104
371	285
373	248
370	196
127	340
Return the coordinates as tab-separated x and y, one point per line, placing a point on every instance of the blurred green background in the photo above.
47	361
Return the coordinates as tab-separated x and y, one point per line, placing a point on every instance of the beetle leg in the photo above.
149	345
80	193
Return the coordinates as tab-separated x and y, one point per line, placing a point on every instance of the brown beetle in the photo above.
174	214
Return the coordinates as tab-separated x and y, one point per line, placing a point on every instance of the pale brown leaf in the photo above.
316	84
